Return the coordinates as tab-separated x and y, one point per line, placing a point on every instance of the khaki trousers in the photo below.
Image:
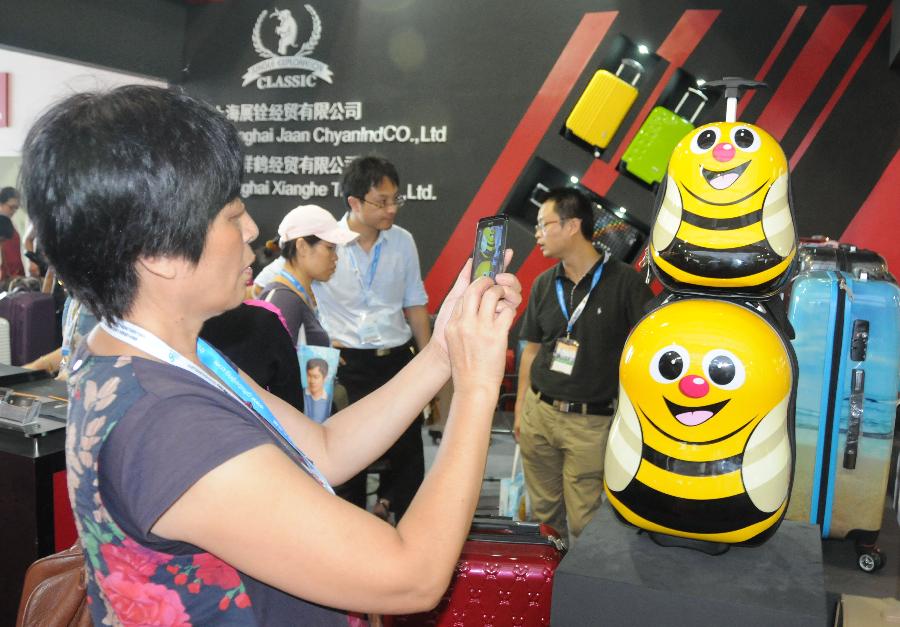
562	455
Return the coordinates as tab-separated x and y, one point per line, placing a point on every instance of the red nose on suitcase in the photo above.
504	577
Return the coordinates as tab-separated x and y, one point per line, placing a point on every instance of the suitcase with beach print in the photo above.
848	351
504	577
603	105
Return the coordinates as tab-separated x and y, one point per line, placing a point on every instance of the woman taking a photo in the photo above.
199	497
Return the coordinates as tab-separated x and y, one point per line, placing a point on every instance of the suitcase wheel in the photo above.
871	560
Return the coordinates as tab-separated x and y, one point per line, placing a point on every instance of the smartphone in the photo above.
490	246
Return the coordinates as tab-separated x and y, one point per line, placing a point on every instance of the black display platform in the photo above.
35	518
615	576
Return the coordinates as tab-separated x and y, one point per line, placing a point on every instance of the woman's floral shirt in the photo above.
132	401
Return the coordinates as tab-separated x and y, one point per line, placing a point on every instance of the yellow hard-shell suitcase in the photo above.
603	105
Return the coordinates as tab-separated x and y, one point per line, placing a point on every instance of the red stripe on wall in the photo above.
770	60
877	222
677	47
841	88
808	68
519	149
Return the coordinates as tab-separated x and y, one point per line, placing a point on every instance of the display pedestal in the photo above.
615	576
35	515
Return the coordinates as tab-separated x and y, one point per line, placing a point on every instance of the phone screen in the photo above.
490	246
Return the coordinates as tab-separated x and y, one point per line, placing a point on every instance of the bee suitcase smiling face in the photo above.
700	444
724	219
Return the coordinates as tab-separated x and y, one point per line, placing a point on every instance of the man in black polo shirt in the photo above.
578	317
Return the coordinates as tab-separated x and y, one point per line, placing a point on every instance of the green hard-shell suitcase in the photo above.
647	156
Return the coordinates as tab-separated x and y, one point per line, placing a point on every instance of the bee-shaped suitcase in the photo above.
647	156
724	222
701	443
603	105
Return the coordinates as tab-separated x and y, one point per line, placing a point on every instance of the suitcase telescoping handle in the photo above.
733	86
689	92
851	448
634	65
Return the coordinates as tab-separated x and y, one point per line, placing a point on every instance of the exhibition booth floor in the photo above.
841	574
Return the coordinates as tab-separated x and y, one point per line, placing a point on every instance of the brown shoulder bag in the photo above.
55	592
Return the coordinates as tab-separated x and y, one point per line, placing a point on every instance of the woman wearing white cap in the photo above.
308	236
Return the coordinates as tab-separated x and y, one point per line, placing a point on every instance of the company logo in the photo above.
287	31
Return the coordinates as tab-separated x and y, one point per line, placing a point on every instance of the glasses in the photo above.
396	201
542	226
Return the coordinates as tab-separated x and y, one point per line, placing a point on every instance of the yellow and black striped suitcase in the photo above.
603	105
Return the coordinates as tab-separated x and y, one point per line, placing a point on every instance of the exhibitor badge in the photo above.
287	31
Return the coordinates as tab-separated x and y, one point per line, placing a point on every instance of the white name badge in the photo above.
564	356
368	330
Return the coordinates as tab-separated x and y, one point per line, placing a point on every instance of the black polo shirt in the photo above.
614	307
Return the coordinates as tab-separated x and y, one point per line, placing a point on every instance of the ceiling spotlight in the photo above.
574	180
643	49
701	82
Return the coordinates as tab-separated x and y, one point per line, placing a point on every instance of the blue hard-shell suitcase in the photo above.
848	352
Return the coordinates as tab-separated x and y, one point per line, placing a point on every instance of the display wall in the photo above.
483	88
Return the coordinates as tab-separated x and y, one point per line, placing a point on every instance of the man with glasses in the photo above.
578	317
373	308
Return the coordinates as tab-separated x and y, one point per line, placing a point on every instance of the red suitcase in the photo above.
32	325
504	577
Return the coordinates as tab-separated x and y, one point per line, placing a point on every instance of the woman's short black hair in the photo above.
570	202
114	176
364	173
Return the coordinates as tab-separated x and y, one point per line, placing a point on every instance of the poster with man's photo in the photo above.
318	365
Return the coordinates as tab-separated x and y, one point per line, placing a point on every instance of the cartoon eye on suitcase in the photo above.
701	449
648	153
603	105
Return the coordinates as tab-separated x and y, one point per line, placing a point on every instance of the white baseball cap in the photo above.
313	220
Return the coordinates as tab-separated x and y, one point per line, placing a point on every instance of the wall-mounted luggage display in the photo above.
647	156
504	577
848	352
603	105
617	233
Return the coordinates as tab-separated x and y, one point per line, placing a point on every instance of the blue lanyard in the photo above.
299	286
370	275
570	320
215	362
210	357
70	317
